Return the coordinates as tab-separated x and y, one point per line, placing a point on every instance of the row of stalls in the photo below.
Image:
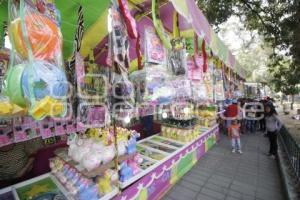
127	91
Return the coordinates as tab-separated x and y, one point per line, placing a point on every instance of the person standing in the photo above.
231	112
273	126
234	133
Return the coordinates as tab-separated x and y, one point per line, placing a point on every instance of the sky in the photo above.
234	35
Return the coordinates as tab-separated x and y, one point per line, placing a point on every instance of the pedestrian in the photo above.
231	112
273	126
250	115
234	133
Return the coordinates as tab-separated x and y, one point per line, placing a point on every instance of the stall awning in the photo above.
195	16
95	23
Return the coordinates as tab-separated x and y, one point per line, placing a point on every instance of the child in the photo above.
234	133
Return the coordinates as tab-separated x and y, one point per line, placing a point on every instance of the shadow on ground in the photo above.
222	175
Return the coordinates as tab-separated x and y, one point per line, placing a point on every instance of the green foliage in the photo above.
278	21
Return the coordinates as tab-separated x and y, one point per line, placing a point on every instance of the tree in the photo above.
278	21
285	78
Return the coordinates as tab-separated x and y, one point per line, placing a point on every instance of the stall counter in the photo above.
165	173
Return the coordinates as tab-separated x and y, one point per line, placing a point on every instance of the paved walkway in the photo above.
222	175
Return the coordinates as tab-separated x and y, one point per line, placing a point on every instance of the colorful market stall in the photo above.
89	74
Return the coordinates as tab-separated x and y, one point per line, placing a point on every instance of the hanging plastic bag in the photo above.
38	83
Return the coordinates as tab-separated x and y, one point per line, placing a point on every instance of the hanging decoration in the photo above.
159	25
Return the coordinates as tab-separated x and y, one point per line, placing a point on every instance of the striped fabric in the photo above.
13	160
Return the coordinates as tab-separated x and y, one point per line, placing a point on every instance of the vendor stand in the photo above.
178	81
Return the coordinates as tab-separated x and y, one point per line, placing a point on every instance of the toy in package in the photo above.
155	52
38	83
177	58
157	88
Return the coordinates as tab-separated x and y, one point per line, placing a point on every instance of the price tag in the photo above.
59	130
46	133
70	128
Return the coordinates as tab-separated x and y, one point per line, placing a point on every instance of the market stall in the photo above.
133	60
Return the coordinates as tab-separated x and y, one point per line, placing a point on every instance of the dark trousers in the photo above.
273	142
262	124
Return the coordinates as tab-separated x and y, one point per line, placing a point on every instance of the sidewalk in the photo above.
222	175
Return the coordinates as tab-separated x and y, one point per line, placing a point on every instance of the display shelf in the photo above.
165	144
157	179
61	187
125	184
62	153
7	193
36	180
14	188
169	139
5	190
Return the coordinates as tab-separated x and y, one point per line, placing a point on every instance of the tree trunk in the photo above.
292	102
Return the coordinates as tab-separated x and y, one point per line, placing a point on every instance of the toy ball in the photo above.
43	34
47	80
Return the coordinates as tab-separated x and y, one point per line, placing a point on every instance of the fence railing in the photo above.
292	150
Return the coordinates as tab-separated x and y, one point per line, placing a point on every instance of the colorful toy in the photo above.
91	161
43	34
134	164
126	172
48	80
49	85
13	87
131	145
89	192
108	154
154	49
104	183
121	148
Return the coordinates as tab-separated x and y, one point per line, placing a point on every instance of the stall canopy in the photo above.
95	26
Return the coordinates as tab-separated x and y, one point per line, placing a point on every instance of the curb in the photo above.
289	185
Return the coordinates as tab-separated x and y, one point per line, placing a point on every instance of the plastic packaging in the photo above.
155	52
177	58
38	83
157	88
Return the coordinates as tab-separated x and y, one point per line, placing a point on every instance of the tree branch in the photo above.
248	5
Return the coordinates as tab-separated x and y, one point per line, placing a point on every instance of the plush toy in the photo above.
104	184
134	164
126	172
121	148
71	142
108	154
131	145
80	152
89	192
91	161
